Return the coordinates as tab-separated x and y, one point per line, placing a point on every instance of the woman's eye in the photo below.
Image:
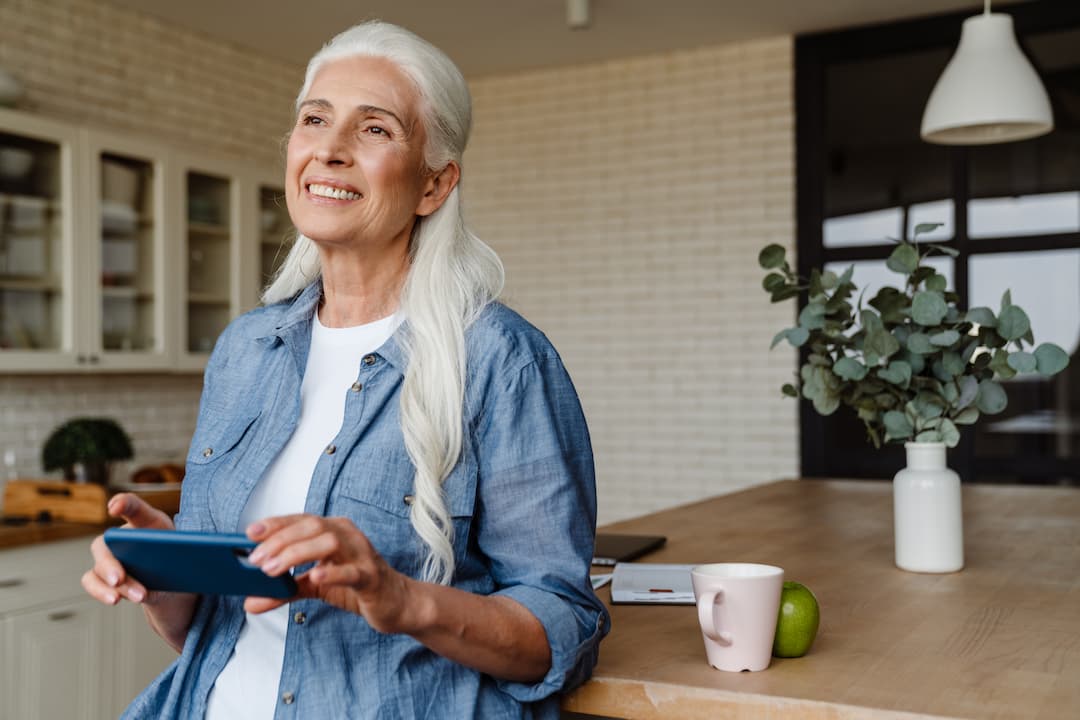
311	120
376	130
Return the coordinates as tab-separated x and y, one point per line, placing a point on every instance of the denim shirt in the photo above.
522	499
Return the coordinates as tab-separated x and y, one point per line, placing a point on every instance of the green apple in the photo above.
797	623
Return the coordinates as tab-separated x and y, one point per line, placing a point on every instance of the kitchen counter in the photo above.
32	533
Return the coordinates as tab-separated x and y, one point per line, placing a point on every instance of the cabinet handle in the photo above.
61	615
95	359
11	582
81	359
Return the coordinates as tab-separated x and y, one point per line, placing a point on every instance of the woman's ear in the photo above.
437	188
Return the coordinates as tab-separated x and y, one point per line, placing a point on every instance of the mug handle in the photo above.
705	616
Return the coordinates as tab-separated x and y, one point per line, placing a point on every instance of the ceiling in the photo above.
487	37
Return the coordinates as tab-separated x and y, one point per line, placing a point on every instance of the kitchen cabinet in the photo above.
62	654
276	232
123	253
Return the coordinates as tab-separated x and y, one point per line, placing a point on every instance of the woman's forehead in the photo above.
363	81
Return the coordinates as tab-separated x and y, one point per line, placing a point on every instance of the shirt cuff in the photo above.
572	656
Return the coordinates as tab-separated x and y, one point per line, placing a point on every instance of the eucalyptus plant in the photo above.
912	364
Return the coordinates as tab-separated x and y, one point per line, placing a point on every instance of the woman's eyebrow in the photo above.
366	109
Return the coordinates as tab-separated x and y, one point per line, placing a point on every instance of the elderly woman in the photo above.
413	451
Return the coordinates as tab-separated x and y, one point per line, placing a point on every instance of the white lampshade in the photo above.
989	92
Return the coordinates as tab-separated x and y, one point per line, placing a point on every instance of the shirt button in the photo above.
288	698
331	449
408	499
357	387
369	359
208	452
299	618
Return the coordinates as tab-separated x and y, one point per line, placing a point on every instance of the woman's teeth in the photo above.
332	192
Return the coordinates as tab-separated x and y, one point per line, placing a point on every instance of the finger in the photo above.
284	531
138	512
262	529
324	545
256	605
350	574
96	588
106	566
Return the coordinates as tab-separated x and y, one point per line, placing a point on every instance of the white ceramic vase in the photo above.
927	516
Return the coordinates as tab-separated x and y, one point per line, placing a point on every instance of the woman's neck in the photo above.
359	290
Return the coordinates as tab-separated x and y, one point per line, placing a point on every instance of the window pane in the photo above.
1025	215
937	211
876	165
870	228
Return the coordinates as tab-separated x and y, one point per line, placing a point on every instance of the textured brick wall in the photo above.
628	200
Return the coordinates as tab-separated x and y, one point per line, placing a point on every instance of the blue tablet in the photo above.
182	561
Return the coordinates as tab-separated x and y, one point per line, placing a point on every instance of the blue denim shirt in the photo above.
522	498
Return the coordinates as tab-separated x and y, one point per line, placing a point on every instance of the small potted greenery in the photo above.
86	443
914	367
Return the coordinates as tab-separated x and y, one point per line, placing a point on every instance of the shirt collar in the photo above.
302	309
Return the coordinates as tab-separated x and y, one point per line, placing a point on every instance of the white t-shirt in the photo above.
247	686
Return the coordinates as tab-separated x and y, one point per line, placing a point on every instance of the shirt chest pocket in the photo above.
216	450
377	493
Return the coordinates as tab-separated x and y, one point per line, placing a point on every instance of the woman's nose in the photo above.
333	150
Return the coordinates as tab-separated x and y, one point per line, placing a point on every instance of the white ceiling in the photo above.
488	37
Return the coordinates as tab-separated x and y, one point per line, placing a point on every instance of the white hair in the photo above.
452	276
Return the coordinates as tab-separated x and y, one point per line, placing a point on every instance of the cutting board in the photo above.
73	502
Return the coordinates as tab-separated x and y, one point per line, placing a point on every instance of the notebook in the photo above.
652	583
612	548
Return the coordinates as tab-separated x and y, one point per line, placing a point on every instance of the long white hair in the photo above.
451	277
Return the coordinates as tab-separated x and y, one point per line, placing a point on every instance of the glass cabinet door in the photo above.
31	244
276	232
129	295
210	241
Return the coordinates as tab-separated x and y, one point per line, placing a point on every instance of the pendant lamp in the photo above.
989	92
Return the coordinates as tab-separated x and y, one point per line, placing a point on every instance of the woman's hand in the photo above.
348	574
169	614
107	581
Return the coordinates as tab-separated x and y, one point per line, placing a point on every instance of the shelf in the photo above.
35	201
29	284
207	230
207	299
125	293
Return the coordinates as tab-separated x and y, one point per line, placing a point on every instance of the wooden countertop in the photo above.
13	536
1000	639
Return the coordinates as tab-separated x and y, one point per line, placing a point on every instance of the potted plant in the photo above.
915	368
84	447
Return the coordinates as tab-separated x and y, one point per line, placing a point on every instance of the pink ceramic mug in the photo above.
737	609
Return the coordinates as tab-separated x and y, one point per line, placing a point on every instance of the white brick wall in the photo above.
628	200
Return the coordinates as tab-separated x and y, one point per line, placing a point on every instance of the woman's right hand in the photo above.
107	581
169	613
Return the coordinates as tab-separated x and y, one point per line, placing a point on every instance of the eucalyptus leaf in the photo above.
991	398
1006	300
897	425
1022	362
949	434
882	343
936	282
982	315
784	293
798	336
917	362
952	363
1013	323
941	372
778	337
773	281
812	316
903	259
928	308
850	369
1050	359
898	373
922	228
950	251
845	278
1000	364
826	404
967	416
771	256
945	339
969	389
950	393
928	436
919	343
789	390
828	279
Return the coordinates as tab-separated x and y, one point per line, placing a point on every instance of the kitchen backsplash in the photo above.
157	411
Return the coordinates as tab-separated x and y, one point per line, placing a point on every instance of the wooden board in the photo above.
73	502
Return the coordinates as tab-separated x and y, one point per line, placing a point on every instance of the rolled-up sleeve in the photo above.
537	505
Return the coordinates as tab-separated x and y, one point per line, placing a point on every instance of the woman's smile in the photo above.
326	191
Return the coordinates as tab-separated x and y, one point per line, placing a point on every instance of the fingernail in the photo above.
272	566
136	595
256	556
256	529
116	505
113	578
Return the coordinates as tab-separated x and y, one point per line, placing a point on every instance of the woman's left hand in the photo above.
348	574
